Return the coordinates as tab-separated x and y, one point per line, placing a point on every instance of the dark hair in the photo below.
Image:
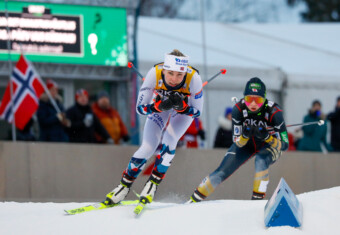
316	102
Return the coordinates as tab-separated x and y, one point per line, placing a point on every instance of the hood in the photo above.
225	123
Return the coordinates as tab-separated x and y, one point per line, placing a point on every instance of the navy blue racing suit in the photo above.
265	152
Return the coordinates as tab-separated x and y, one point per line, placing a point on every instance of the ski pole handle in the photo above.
223	71
130	65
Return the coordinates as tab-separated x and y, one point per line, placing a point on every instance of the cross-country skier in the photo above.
171	90
258	130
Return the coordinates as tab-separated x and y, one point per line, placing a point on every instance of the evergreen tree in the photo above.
320	10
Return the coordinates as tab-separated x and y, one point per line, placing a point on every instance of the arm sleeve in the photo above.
278	139
237	123
146	93
196	98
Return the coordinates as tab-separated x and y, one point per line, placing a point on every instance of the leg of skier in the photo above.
178	124
263	160
234	158
153	128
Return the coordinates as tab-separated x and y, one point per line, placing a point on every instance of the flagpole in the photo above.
14	136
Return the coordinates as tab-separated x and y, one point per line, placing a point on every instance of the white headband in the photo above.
176	63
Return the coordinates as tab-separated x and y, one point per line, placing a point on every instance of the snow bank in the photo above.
320	216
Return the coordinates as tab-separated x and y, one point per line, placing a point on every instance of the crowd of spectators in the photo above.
80	123
99	122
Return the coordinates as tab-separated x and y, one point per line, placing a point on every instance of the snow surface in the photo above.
320	216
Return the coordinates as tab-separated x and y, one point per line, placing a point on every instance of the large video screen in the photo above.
58	33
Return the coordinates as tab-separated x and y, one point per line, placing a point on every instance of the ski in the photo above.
99	206
139	208
141	205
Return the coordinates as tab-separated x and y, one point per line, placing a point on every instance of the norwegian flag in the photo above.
27	89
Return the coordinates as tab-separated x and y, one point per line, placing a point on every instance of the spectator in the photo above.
334	118
189	139
84	124
110	119
314	135
52	124
224	133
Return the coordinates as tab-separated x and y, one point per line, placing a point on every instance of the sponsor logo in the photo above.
284	136
254	90
199	94
145	89
160	82
237	130
255	86
270	103
181	62
255	122
245	113
181	68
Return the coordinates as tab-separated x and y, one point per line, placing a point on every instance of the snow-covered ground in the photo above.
320	216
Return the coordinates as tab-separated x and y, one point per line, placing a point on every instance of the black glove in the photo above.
179	101
248	131
261	132
201	134
161	105
126	138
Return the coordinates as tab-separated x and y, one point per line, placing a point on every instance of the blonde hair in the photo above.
176	52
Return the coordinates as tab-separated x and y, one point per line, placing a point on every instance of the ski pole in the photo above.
223	71
130	65
320	122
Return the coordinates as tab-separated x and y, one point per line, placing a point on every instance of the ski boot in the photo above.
196	197
148	193
119	193
258	196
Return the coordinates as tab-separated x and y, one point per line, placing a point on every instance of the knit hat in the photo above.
176	63
50	84
228	110
102	94
81	92
255	87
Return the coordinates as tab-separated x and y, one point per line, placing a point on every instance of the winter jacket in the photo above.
334	118
313	135
50	127
112	122
224	135
189	139
79	132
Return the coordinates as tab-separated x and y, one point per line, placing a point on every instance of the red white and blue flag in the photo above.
27	89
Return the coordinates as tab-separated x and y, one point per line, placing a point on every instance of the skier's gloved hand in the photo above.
261	133
248	131
161	105
179	101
